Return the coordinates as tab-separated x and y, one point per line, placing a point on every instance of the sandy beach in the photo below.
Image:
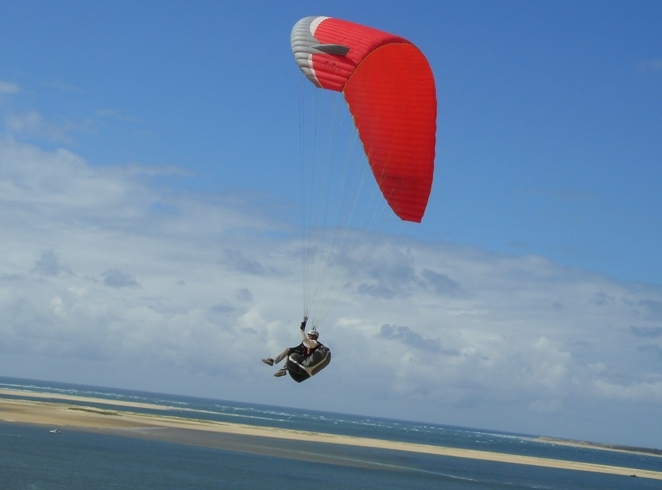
241	437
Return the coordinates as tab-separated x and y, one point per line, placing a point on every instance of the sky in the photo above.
149	198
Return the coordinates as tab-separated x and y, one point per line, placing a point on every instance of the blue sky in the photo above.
149	156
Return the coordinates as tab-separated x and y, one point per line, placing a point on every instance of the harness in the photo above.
301	366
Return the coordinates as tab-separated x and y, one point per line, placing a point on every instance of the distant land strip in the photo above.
597	445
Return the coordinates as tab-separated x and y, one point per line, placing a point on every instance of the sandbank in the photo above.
86	399
245	437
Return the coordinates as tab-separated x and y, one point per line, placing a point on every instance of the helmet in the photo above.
313	332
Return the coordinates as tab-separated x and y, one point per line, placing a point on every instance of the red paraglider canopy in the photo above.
389	87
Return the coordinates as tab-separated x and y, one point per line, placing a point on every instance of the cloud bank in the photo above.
122	282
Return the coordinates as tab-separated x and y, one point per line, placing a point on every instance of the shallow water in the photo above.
33	458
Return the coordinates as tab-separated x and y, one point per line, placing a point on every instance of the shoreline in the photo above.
22	394
600	446
62	415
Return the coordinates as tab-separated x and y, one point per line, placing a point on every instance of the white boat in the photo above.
54	431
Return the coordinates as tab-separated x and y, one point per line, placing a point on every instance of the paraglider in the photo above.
390	92
306	359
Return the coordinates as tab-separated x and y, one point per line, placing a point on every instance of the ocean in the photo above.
33	458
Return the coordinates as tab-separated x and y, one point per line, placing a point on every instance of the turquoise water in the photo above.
33	458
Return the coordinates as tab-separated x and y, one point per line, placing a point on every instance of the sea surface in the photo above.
33	458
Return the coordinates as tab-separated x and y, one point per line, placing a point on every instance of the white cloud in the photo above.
641	391
93	272
117	115
32	124
8	87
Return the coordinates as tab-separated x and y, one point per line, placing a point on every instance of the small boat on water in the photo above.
54	431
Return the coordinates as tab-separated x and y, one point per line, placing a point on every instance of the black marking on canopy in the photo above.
338	49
